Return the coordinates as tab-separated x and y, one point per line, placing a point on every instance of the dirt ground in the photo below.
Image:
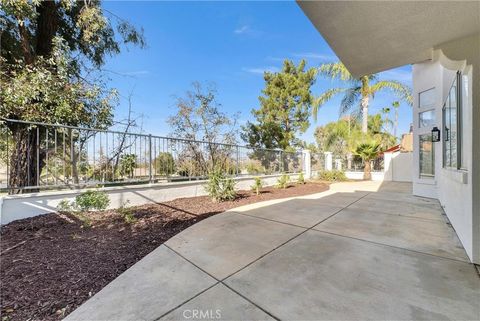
51	264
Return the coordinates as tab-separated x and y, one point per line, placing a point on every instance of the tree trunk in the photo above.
47	23
396	123
367	171
24	158
364	106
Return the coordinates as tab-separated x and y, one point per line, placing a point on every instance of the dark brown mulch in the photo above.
50	264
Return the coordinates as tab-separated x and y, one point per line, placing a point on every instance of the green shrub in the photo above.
87	201
332	176
127	213
92	200
65	206
301	179
257	185
220	188
71	207
283	181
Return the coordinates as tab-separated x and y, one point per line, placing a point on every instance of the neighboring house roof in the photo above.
395	148
373	36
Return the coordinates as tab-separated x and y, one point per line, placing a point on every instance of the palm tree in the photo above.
367	152
395	106
358	91
386	111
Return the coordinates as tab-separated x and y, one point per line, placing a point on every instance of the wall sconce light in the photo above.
435	134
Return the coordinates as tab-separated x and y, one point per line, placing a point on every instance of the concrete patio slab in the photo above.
363	262
225	243
402	208
218	303
341	199
300	212
396	187
321	276
149	289
427	236
402	197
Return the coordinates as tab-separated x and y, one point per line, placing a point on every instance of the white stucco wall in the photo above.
453	188
376	176
401	167
15	207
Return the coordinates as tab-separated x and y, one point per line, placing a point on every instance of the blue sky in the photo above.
227	43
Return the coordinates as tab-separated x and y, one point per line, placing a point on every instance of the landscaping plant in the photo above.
332	176
257	185
301	179
220	188
283	181
127	213
92	200
367	152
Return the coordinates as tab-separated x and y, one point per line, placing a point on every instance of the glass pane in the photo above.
427	156
426	98
451	136
427	118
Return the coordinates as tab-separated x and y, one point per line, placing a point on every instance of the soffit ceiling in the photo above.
369	36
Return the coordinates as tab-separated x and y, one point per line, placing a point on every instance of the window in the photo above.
426	118
426	98
427	156
452	116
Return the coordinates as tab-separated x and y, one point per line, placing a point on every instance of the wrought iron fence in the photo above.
36	156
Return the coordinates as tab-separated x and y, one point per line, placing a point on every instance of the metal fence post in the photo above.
150	176
281	161
238	162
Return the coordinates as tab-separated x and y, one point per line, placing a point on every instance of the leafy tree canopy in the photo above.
285	107
49	52
357	92
343	136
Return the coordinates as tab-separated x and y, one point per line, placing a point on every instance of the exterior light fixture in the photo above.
435	134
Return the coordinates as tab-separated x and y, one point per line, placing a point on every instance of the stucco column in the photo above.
307	164
328	161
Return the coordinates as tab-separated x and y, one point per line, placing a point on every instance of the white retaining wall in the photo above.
15	207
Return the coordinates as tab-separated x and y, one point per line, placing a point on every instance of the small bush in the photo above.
220	188
301	179
127	213
332	176
87	201
257	185
92	200
65	206
283	181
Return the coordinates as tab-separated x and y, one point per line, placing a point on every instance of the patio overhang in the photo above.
370	37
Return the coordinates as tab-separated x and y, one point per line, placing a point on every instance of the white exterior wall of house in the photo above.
439	37
456	189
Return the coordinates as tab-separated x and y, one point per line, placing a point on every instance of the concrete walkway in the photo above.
359	251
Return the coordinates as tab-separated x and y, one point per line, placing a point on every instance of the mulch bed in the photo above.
50	264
